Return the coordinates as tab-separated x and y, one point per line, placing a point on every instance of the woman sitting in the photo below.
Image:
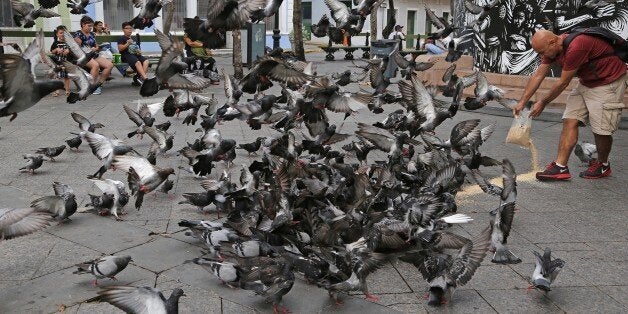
87	40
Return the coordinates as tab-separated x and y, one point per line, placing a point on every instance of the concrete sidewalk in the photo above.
582	221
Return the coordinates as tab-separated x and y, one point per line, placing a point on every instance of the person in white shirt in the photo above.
398	33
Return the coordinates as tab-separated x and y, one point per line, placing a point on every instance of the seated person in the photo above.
431	47
199	57
131	54
61	53
87	40
100	28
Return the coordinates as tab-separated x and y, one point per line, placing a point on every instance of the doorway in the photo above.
410	27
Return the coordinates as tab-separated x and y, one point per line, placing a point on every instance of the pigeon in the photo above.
141	299
451	80
78	6
321	28
445	273
48	4
84	82
546	270
341	14
140	119
168	68
105	149
483	11
584	151
81	56
149	10
484	92
142	176
252	147
84	124
27	14
444	28
19	89
200	200
347	77
423	105
274	287
33	163
117	191
222	16
17	222
74	142
361	149
62	205
167	186
456	45
269	68
228	273
271	8
104	267
51	152
404	63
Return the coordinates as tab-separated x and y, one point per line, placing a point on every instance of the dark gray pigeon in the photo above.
51	152
104	267
585	151
33	163
149	10
141	299
19	89
78	6
546	270
27	14
74	142
17	222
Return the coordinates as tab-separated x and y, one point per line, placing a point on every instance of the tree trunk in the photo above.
374	11
297	30
238	72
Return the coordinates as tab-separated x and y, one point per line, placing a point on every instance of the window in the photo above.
6	14
201	8
306	10
180	13
117	12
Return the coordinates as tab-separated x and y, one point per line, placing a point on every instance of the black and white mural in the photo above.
502	32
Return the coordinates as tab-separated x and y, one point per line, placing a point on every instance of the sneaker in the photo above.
596	170
553	173
98	91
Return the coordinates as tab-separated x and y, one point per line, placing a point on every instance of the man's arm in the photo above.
533	84
559	87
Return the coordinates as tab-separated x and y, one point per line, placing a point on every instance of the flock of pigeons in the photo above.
300	206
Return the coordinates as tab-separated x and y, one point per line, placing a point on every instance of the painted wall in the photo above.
503	40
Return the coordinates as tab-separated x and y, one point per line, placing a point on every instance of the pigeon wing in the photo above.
470	257
140	300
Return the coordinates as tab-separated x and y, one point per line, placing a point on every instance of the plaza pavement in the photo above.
582	221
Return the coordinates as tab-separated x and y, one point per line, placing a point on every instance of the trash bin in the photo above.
382	49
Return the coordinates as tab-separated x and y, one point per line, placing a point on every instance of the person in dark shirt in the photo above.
131	54
598	98
61	53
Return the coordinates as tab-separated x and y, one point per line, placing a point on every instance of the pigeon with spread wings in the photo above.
168	69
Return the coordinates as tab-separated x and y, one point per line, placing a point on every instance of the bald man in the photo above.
598	98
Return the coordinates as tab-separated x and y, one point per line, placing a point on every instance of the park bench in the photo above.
330	49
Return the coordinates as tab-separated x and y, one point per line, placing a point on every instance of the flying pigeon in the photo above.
141	299
17	222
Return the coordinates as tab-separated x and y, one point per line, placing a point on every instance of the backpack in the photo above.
620	45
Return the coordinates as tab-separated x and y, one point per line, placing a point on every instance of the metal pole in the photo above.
276	38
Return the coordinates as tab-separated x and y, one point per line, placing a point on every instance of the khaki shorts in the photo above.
601	105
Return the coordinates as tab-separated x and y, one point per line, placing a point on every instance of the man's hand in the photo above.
95	48
129	41
516	110
537	108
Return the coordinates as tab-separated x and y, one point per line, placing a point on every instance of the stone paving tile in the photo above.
585	300
519	301
161	254
464	301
